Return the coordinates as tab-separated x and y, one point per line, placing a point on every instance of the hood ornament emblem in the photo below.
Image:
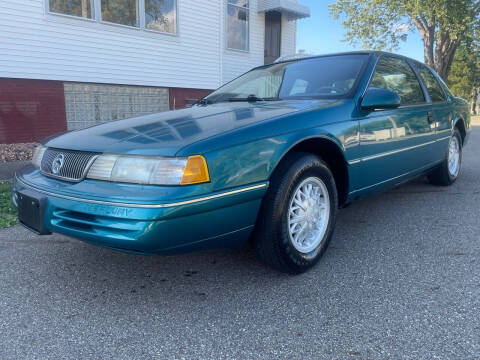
57	163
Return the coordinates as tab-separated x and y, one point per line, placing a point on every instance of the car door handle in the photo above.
430	117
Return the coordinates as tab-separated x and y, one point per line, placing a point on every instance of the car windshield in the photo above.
315	78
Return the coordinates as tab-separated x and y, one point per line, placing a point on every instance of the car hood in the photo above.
168	132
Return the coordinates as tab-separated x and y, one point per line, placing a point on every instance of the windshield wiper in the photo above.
249	98
204	102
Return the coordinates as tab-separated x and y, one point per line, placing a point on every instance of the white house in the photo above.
67	64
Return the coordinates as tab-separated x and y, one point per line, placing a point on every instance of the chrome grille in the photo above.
74	167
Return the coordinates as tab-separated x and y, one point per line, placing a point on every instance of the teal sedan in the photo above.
269	157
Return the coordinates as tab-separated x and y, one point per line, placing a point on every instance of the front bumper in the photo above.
221	219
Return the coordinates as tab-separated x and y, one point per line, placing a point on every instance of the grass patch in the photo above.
8	213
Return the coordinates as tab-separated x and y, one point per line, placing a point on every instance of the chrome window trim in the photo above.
147	206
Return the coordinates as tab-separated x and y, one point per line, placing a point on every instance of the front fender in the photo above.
301	137
255	161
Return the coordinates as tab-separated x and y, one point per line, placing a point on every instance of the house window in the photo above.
237	24
156	15
80	8
124	12
160	15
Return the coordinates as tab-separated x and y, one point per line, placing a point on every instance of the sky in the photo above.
320	34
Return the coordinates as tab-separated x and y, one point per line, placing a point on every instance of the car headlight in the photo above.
150	170
38	155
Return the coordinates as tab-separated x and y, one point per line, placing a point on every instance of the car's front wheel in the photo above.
298	214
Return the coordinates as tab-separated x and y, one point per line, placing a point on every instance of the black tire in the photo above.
271	238
441	175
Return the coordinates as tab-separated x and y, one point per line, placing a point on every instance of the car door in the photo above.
440	109
395	142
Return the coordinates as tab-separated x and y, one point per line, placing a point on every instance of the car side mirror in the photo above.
380	99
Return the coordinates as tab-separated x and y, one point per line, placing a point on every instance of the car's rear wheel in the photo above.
298	214
447	172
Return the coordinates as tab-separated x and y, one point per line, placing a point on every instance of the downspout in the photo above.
295	38
220	42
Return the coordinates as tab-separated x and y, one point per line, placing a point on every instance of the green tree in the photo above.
382	24
464	78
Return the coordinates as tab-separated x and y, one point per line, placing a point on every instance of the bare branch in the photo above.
424	22
419	24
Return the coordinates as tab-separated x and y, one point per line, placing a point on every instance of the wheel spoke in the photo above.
302	229
308	214
297	219
309	189
299	204
293	227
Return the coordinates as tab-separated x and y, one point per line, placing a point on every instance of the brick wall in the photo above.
30	110
180	98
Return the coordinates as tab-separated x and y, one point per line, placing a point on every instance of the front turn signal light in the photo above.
196	171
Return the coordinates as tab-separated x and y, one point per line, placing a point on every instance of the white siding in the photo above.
236	62
36	45
289	32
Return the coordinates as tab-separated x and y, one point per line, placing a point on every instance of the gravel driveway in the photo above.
401	280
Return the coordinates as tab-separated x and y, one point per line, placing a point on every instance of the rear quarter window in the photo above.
431	83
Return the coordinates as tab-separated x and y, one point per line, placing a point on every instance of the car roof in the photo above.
360	52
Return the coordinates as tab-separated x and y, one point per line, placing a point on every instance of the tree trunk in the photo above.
476	93
428	41
445	49
428	36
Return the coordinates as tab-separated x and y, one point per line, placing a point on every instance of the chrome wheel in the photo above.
308	214
454	156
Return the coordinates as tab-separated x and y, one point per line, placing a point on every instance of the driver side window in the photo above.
396	75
